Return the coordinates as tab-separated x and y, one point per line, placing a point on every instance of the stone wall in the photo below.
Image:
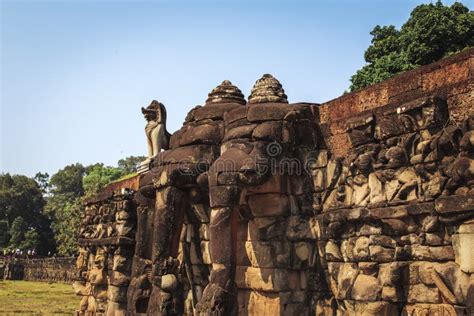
107	243
49	269
39	269
363	205
388	211
450	79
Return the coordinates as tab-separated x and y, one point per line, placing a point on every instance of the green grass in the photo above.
37	298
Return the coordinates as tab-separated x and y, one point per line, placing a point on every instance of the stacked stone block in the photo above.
107	243
389	208
172	267
257	186
360	206
48	269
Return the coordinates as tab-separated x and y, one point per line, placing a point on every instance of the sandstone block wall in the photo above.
107	243
49	269
449	79
363	205
38	269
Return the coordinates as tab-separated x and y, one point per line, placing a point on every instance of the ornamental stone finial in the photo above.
226	92
267	89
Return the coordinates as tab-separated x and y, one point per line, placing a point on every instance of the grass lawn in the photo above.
37	298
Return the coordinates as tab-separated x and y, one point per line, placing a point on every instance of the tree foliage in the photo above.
432	32
98	176
65	222
21	211
43	181
20	196
32	239
3	234
67	190
17	232
129	164
64	206
43	212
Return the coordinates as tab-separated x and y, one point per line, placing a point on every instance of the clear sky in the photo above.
75	74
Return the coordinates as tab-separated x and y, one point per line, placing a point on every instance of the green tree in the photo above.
21	210
43	181
68	180
31	239
3	234
432	32
66	223
129	164
67	190
98	176
19	196
64	206
17	232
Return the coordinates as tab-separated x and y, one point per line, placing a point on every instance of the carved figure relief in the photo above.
248	211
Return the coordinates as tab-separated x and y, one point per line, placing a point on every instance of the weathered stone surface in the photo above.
267	89
420	293
187	154
40	269
361	129
360	206
431	309
268	131
207	132
226	92
266	254
266	228
117	294
267	112
303	255
266	279
333	252
275	184
224	196
116	308
299	228
381	254
345	278
244	131
373	309
258	303
452	282
450	204
462	246
268	205
366	288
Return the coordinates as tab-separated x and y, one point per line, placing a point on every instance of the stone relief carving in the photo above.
104	264
248	212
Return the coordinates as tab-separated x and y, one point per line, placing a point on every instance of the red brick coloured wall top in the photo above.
450	78
115	188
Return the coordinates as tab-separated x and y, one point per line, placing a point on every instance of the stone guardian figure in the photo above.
155	129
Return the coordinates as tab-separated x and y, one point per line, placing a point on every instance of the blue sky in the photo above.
75	74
